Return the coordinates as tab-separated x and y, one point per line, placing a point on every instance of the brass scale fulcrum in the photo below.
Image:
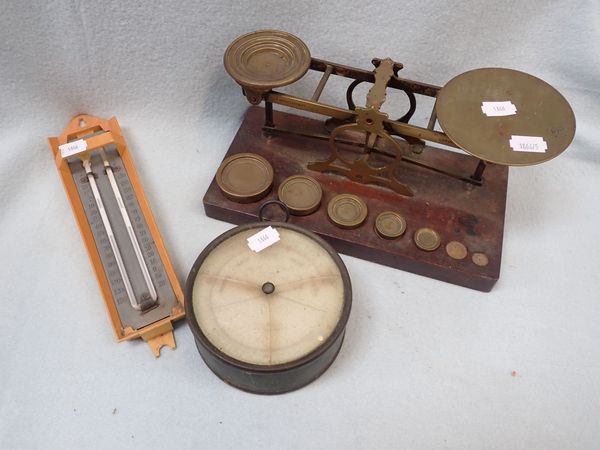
526	122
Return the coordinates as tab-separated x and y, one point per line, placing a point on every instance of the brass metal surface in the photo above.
377	94
245	177
355	73
399	128
347	211
480	259
265	59
377	149
359	169
301	194
541	111
390	225
456	250
369	121
427	239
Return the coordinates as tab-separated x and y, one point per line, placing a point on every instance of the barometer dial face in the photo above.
273	307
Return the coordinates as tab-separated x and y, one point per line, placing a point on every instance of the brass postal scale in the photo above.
373	186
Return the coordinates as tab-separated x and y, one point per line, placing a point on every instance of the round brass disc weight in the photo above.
456	250
390	225
301	194
245	177
265	59
427	239
347	211
541	112
480	259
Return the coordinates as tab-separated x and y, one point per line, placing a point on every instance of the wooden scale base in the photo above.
457	210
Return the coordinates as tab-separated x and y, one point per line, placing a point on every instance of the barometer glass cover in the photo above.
277	315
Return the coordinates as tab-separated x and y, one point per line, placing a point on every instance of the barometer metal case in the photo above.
452	201
273	320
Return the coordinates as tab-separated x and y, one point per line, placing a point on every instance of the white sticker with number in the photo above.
263	239
497	109
534	144
72	148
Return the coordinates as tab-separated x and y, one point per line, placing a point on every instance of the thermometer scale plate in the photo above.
136	278
167	300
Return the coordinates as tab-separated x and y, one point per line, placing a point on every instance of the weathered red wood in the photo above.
457	210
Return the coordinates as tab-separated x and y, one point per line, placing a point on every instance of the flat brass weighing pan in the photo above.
541	112
271	321
245	177
301	194
265	59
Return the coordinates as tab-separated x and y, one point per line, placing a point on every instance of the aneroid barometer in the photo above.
268	305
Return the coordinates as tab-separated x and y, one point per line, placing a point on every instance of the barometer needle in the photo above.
130	232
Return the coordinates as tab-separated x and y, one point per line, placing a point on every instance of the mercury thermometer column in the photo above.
269	321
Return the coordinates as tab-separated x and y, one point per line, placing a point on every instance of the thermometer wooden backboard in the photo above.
140	289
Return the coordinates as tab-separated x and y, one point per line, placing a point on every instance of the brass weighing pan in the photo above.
541	112
262	60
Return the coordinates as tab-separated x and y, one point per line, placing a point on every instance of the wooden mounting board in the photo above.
154	326
457	210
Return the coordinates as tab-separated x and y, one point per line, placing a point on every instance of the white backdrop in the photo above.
425	364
